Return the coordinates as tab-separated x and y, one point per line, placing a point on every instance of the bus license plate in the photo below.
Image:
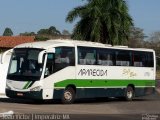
19	94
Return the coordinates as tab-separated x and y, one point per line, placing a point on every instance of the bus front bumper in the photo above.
24	95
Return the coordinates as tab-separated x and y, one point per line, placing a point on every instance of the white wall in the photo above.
3	73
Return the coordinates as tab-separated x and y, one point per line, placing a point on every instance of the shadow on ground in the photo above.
154	97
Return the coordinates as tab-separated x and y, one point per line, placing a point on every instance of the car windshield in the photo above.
24	65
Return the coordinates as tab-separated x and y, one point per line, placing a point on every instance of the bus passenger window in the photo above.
123	58
105	57
150	59
64	56
143	59
137	60
86	56
50	65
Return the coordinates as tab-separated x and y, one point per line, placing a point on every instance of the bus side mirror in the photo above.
4	55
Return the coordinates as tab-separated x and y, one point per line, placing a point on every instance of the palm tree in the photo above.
105	21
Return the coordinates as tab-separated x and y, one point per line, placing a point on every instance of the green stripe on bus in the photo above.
105	83
27	84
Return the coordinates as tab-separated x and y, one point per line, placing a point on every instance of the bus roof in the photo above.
66	42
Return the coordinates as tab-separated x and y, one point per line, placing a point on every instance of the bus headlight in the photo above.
38	88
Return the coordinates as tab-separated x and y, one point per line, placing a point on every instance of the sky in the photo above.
33	15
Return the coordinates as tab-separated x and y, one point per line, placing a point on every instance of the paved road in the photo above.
148	104
88	108
115	109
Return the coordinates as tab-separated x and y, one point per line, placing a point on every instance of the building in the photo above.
8	42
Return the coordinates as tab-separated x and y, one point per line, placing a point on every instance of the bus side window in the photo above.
137	60
71	57
150	60
13	68
143	59
105	57
86	56
64	56
50	65
123	58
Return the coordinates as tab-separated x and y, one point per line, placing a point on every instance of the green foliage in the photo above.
41	38
8	32
50	31
53	31
105	21
45	34
42	32
27	34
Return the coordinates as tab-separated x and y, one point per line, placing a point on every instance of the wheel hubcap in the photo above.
129	94
68	96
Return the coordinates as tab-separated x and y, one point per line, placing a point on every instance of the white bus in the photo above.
70	69
3	74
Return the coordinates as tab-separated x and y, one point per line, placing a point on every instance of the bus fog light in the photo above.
38	88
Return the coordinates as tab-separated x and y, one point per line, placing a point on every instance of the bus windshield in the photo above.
24	65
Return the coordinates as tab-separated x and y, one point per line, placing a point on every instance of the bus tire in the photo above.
129	93
68	96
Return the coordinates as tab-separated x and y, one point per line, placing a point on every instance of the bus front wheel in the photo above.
68	96
129	94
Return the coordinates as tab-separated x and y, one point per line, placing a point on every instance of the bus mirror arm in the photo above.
40	56
4	55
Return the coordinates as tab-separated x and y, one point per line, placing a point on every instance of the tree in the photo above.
65	32
27	34
41	38
105	21
7	32
155	37
50	31
136	37
53	31
42	32
154	43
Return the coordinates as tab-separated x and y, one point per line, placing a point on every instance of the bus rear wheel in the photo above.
68	96
129	94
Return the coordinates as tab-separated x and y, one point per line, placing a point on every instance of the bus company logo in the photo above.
150	117
92	72
129	73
